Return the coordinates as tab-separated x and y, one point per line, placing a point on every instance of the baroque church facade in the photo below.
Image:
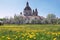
28	11
28	14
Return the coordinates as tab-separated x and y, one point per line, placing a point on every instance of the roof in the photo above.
27	8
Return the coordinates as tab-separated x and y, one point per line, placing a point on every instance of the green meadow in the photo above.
30	32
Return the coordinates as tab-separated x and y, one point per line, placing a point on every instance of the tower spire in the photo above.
36	12
27	4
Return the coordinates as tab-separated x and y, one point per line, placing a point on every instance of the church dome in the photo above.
27	7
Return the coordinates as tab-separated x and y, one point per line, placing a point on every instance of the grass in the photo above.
30	32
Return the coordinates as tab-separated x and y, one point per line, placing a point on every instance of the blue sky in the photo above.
10	7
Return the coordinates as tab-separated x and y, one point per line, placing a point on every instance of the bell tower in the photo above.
36	12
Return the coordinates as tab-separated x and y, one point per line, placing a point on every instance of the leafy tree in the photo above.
58	21
19	19
51	18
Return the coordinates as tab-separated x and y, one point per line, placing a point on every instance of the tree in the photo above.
11	20
6	20
18	19
58	21
51	18
44	21
36	21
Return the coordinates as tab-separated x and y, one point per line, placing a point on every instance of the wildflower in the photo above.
8	38
27	39
34	37
53	33
31	36
22	37
58	32
3	36
54	39
48	32
32	33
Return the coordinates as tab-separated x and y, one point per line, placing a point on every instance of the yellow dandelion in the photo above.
53	33
34	37
3	36
32	33
27	39
48	32
23	34
58	32
8	38
31	36
54	39
15	37
22	37
28	33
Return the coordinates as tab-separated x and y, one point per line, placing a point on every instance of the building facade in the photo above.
30	14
